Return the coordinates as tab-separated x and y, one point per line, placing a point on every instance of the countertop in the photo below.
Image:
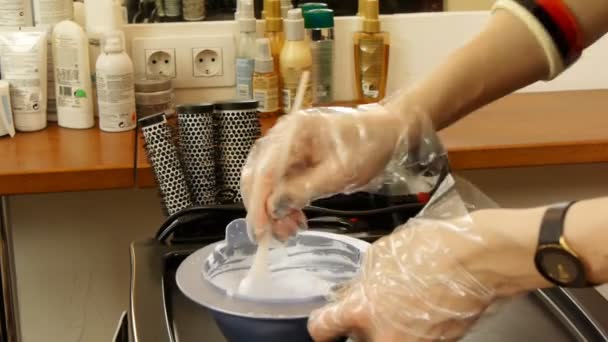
520	130
58	159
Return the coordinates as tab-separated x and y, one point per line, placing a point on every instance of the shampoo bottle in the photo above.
115	86
245	59
265	81
296	58
73	90
371	55
320	31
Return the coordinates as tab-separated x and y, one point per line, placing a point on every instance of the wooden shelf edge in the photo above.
69	181
524	156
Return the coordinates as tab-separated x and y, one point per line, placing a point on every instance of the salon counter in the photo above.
520	130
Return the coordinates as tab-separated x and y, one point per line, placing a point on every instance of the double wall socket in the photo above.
192	61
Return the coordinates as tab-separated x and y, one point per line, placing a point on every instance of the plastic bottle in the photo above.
320	31
295	59
372	48
79	14
73	89
309	6
265	80
286	5
15	13
101	17
115	85
245	59
51	12
47	13
274	29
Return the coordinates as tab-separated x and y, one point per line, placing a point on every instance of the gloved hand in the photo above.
312	154
414	286
433	277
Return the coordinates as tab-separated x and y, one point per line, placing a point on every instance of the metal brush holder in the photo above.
238	128
198	149
163	156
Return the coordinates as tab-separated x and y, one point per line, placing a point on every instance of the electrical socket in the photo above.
193	59
160	62
207	62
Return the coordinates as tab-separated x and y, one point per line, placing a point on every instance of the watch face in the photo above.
560	266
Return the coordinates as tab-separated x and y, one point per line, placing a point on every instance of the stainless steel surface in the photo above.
10	314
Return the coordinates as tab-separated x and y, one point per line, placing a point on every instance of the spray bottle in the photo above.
245	59
115	85
265	81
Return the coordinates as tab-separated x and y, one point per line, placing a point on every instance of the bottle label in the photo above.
116	96
372	58
21	70
12	13
266	92
70	90
322	71
291	80
244	78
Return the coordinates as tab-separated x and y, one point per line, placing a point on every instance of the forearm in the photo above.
504	57
513	235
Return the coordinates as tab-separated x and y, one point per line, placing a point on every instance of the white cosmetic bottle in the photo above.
73	90
115	85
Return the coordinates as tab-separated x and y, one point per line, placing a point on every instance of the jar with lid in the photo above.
153	95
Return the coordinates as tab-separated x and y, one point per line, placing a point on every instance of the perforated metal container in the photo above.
164	158
196	139
238	128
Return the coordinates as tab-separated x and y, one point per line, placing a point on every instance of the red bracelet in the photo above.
567	23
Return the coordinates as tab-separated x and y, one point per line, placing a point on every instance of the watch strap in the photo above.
552	226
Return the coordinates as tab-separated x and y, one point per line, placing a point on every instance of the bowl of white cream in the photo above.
302	273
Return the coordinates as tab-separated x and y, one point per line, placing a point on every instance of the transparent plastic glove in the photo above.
421	283
320	152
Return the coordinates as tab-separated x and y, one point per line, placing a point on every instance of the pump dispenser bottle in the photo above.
246	50
296	58
371	55
265	81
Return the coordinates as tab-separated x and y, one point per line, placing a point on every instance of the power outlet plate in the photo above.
200	61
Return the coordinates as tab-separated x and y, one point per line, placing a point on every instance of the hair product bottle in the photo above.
274	29
371	55
286	5
265	81
245	59
115	86
295	59
320	31
73	89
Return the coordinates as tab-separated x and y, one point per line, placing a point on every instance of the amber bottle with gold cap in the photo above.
274	32
372	48
274	29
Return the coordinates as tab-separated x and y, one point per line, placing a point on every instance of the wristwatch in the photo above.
555	259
